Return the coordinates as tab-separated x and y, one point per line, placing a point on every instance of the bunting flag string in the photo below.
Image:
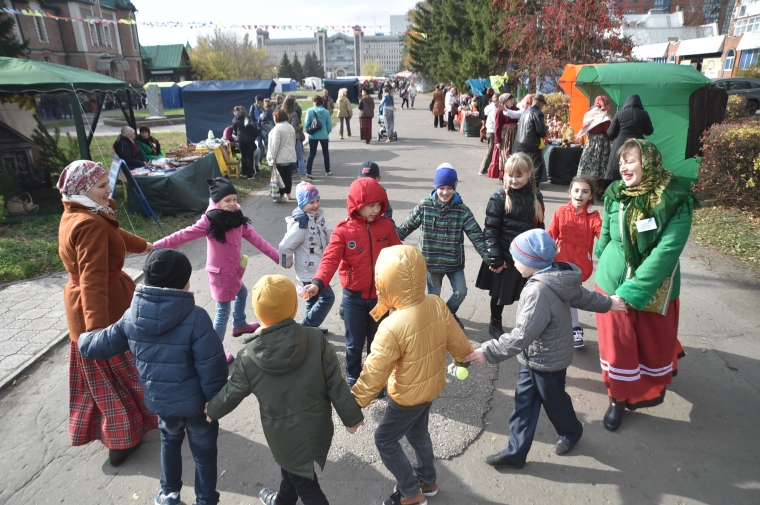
206	24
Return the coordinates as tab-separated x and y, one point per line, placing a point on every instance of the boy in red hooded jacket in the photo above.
354	246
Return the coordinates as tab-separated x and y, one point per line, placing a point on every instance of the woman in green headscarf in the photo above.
647	220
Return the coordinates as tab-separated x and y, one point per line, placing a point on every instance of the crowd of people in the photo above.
176	377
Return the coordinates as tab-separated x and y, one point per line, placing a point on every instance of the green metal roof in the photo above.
168	56
23	76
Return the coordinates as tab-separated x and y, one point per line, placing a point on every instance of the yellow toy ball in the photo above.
461	373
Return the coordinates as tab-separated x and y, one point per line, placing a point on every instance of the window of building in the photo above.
134	33
750	24
672	58
631	11
105	34
748	59
39	24
658	60
730	55
94	37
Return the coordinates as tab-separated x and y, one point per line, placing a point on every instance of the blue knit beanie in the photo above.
305	193
445	175
534	248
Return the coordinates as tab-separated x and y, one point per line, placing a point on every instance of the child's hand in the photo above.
618	304
498	270
352	429
149	247
309	290
477	356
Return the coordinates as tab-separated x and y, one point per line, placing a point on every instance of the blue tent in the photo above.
208	104
288	84
171	94
479	86
350	83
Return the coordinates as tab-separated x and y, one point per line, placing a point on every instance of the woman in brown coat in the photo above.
105	397
439	106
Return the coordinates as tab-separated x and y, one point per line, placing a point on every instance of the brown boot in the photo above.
429	490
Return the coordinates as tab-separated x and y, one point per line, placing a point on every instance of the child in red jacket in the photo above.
574	227
354	246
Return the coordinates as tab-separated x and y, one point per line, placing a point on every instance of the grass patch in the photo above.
30	249
730	231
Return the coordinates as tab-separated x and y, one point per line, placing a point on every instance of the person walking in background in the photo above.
281	152
531	129
439	106
245	132
345	111
596	151
452	108
412	94
630	122
294	118
106	400
404	97
389	113
319	136
366	114
328	102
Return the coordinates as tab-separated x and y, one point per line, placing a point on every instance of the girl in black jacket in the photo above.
512	210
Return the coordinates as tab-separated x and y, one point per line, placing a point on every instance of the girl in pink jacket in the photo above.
224	227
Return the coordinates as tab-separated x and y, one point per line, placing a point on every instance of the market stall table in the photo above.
561	163
183	191
462	118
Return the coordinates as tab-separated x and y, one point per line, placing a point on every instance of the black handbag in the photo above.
361	104
432	104
314	126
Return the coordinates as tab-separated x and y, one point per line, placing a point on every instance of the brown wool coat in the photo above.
93	248
439	105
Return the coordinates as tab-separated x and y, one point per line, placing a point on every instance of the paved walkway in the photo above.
32	318
699	447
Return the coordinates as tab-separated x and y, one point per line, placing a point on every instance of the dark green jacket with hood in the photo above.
295	374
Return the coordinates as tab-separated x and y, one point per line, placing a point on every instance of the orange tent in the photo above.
579	103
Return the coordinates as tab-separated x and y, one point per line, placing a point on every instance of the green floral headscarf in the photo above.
658	195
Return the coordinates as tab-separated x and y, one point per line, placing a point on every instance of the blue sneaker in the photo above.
167	499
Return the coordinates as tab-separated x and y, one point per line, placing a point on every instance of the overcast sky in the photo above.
258	12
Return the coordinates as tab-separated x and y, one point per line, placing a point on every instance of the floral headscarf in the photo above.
596	115
602	102
658	195
77	179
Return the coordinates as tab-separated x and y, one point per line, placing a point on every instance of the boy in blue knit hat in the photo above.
443	220
542	340
303	244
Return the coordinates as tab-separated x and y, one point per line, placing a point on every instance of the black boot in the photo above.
614	415
118	456
495	328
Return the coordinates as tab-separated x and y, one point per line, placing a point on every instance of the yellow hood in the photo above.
400	279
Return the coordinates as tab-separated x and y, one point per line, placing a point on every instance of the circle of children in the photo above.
293	370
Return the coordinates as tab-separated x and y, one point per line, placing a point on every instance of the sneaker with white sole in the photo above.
429	490
578	341
167	499
268	496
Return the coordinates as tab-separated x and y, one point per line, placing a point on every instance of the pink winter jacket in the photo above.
225	275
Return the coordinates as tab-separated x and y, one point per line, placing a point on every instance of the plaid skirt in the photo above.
106	401
365	128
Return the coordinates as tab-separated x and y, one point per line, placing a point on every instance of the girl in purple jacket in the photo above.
224	227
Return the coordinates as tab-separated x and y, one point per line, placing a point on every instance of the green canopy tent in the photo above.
19	76
665	92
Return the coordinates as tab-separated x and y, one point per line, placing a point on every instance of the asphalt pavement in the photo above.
700	446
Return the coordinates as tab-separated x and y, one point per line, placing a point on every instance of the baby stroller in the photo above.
383	132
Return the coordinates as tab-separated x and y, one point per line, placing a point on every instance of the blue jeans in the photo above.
533	390
222	314
412	423
313	143
317	307
299	156
201	436
458	286
360	328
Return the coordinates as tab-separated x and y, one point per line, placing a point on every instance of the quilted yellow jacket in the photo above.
409	350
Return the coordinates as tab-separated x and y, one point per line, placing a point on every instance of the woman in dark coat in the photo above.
126	149
244	132
630	122
366	113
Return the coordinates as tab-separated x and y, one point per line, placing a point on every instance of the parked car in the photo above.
747	87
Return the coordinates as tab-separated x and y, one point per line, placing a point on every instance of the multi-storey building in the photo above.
110	49
696	12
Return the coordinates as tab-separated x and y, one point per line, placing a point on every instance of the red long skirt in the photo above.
501	151
639	353
106	401
365	128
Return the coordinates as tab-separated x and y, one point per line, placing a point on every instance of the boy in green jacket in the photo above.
443	220
283	356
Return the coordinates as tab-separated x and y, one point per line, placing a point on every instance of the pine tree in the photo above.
298	73
319	70
308	66
10	46
285	69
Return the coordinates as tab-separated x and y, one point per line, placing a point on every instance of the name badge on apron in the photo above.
646	225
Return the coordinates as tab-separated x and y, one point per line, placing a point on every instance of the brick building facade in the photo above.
109	49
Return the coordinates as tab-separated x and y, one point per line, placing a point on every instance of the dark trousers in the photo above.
489	154
313	143
360	328
538	162
438	120
201	436
451	125
496	309
533	390
404	101
348	125
294	487
286	172
247	148
412	423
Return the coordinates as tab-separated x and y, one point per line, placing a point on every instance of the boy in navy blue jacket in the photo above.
181	363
